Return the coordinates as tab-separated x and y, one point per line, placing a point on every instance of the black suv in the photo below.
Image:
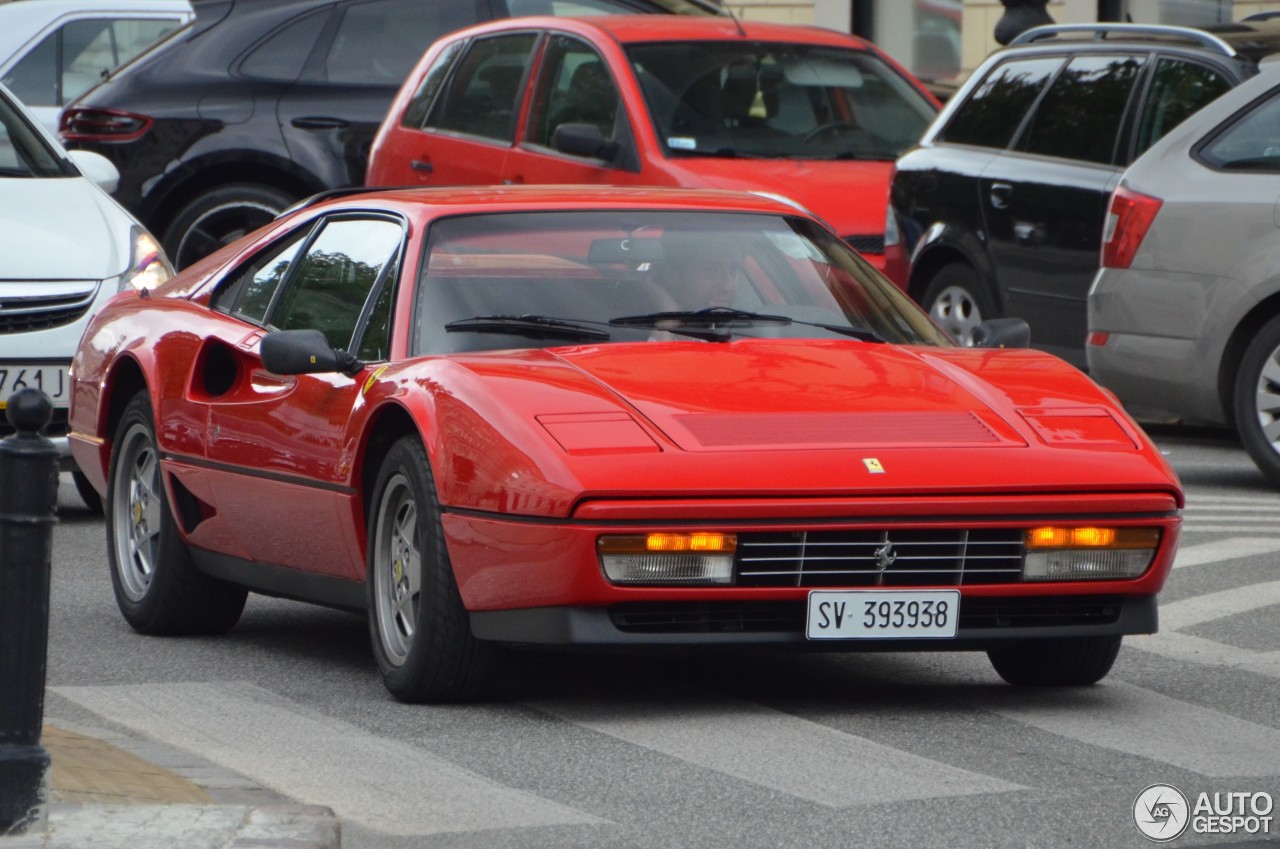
261	102
1001	207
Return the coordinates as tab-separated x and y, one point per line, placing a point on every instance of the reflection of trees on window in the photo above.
1079	116
329	297
334	280
258	292
1177	90
993	112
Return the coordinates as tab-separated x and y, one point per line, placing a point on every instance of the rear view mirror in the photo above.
1002	333
304	352
584	140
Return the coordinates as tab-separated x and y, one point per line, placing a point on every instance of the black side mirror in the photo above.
584	140
304	352
1002	333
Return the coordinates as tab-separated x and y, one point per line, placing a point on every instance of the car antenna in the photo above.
737	23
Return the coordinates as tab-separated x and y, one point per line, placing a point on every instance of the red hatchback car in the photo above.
809	114
610	418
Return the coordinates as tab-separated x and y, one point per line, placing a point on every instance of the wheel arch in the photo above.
1253	321
942	253
386	426
200	177
125	379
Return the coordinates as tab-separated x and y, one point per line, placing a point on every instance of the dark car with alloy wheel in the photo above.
259	103
1001	207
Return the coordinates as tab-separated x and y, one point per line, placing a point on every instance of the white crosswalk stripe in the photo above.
383	783
1224	551
1130	719
778	751
1249	515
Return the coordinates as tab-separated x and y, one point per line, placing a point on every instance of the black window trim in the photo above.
940	137
628	158
1224	126
1124	129
314	227
326	36
521	101
1135	113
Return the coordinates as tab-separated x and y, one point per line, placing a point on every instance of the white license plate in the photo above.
882	614
52	380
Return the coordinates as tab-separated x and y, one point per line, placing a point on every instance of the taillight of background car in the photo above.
1128	221
102	125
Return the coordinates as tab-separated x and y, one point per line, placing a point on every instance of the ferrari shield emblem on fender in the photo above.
873	465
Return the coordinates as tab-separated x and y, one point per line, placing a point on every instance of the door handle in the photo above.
319	123
421	165
1000	194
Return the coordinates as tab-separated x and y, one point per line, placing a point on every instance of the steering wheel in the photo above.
827	128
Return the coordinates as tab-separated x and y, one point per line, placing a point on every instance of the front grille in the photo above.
752	617
867	244
788	617
24	313
876	558
1038	612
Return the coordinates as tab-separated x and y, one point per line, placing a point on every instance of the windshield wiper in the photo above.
719	316
534	326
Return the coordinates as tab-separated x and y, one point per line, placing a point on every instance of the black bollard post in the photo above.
28	497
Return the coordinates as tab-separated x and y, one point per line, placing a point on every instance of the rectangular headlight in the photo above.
668	559
1088	553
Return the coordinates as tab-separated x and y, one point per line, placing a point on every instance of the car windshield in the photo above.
794	101
521	280
23	151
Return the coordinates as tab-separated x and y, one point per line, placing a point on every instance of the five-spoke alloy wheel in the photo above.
420	630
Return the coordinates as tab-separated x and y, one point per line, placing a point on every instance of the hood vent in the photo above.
837	429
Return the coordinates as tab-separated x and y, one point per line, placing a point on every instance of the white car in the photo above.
52	50
65	249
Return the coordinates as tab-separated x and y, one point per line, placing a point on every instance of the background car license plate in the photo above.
880	614
50	379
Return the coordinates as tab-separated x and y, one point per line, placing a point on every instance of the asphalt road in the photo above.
768	750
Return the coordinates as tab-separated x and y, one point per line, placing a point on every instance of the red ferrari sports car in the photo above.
606	417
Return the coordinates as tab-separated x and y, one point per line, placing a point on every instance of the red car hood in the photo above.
779	417
849	195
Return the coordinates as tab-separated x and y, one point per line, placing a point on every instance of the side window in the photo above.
1079	116
249	294
334	279
91	48
416	112
1177	89
1250	143
281	56
375	341
34	80
574	88
995	109
484	94
379	42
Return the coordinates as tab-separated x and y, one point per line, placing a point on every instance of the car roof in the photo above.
24	20
634	29
1251	40
530	198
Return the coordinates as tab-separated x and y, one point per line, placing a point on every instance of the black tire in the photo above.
88	494
157	588
1255	400
218	217
958	301
420	630
1057	662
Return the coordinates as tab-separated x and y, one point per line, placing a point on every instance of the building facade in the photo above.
942	40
